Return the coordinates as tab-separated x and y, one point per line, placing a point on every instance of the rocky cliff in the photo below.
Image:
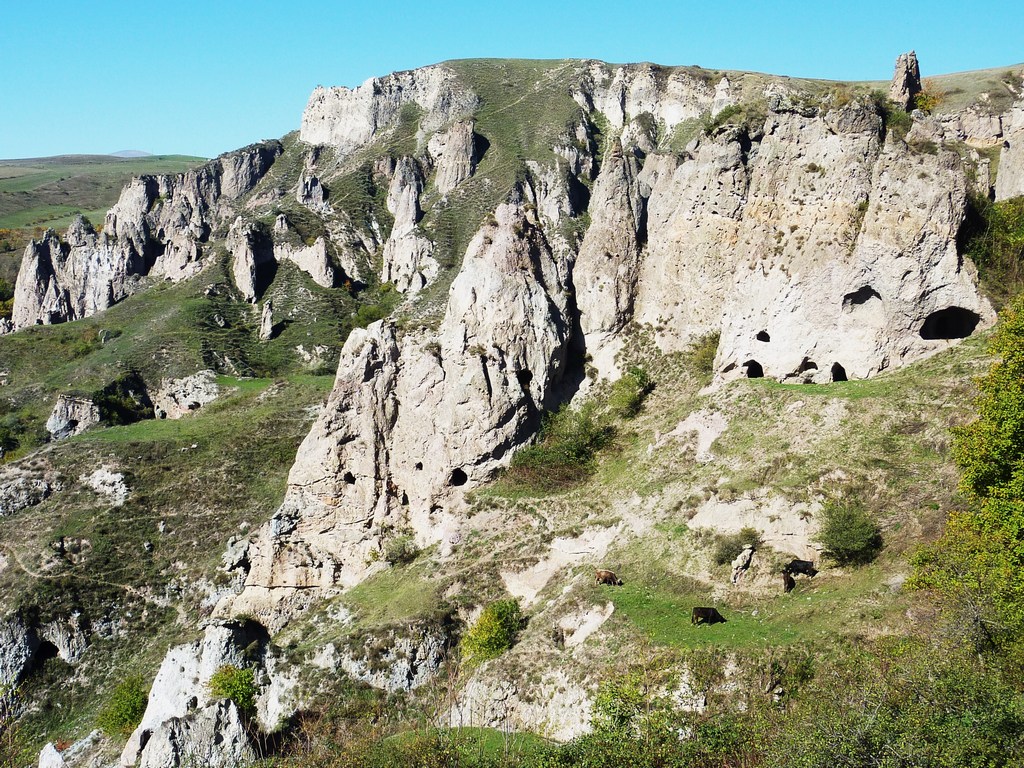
797	226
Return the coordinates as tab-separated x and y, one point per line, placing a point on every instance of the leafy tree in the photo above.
977	562
848	533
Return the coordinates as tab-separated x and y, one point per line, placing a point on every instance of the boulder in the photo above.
212	736
71	415
21	488
267	320
179	397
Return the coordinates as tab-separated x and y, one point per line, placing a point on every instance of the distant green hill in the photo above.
49	191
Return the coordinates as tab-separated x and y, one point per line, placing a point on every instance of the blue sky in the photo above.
206	77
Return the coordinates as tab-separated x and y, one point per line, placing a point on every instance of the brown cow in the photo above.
607	577
706	616
788	582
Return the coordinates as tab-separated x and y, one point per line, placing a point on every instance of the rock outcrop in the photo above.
349	118
413	418
21	488
212	736
180	700
454	154
906	81
1010	179
408	261
157	227
72	415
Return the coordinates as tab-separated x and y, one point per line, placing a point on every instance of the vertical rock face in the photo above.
311	259
347	118
157	227
411	418
454	154
408	260
251	250
608	264
1010	178
906	81
213	736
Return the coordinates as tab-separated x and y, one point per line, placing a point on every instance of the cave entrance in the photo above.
838	372
754	369
458	477
763	336
43	654
950	323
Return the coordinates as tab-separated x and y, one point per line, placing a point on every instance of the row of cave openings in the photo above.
943	324
457	478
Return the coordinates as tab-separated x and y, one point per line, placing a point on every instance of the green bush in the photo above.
124	400
123	712
239	685
702	353
493	633
848	533
568	441
628	393
729	546
401	549
993	236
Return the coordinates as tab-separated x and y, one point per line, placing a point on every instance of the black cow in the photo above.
806	567
788	582
706	616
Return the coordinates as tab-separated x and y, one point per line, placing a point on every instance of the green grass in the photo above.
394	595
48	192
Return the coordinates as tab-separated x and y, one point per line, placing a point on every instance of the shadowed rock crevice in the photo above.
950	323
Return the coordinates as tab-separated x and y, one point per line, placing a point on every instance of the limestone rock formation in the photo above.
906	81
181	686
408	261
454	154
266	321
21	488
626	92
18	645
212	736
348	118
71	415
251	252
608	264
311	259
1010	179
177	397
310	193
157	227
469	395
403	659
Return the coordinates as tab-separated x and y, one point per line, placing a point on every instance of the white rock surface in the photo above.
182	685
454	154
108	483
21	488
71	415
408	260
311	259
157	227
180	397
1010	178
348	118
213	736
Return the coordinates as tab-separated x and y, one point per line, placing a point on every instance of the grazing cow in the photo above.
706	616
805	567
788	582
607	577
